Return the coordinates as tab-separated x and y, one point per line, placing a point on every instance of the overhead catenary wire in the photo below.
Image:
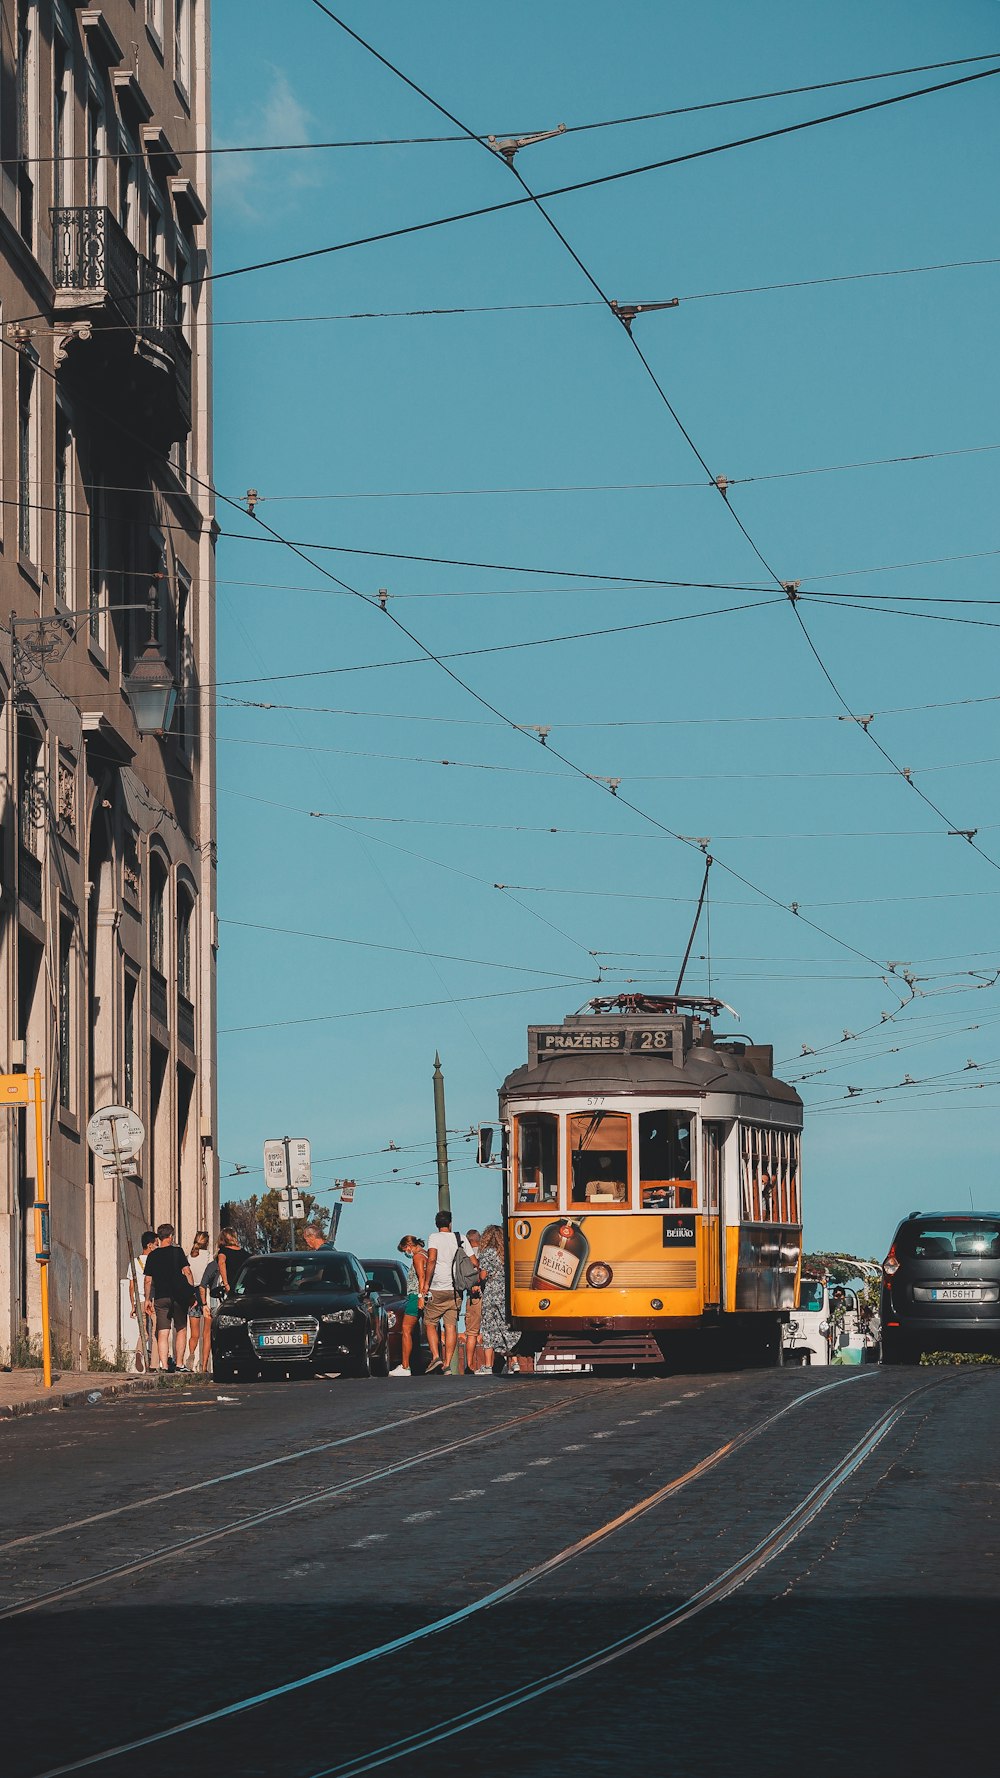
790	587
597	182
906	271
218	150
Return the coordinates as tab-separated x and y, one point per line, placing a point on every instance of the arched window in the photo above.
185	921
157	916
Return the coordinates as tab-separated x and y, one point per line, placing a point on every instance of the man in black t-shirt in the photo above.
168	1284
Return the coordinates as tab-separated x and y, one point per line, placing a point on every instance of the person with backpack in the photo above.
442	1294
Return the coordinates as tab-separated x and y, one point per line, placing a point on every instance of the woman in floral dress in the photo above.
497	1337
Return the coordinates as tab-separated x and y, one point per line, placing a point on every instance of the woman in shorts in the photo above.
199	1314
416	1277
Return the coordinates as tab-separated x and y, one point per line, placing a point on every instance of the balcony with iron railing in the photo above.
133	310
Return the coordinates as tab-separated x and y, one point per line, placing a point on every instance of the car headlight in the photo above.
229	1321
340	1315
390	1318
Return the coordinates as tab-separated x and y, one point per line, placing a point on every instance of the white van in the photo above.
814	1334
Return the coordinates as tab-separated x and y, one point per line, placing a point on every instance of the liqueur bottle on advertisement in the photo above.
562	1254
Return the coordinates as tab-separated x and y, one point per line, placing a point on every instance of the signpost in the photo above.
288	1171
16	1089
24	1090
115	1135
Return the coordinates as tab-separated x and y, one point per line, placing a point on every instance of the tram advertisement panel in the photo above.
617	1265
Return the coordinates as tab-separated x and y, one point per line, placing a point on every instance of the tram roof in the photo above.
691	1062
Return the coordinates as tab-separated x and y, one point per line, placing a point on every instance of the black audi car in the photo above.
300	1312
941	1285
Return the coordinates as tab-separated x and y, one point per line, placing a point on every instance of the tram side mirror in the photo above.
484	1149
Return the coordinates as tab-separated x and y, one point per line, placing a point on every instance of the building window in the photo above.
127	204
185	911
31	785
154	18
157	896
63	508
26	452
182	44
62	124
185	662
97	601
26	121
95	151
65	1013
131	1002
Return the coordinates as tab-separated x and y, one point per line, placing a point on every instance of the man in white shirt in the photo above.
133	1307
441	1300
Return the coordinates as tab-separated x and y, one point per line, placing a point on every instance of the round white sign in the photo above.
128	1126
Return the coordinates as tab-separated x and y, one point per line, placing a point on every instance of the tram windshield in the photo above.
536	1172
599	1151
665	1160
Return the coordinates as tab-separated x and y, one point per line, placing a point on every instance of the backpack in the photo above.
464	1270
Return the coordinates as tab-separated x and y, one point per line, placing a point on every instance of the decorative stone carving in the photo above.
66	795
131	877
76	330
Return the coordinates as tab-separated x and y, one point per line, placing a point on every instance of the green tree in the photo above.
260	1225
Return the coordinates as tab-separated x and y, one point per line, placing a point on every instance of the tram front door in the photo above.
714	1136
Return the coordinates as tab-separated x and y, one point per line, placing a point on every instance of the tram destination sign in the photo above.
547	1041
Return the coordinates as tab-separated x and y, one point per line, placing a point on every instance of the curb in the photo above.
76	1398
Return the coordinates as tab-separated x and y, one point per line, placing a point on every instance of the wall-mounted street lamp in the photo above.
151	688
152	691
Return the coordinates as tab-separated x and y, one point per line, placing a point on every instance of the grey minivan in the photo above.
941	1285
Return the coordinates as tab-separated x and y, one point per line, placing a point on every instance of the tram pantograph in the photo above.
651	1188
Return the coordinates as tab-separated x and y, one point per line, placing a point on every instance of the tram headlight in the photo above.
599	1275
545	1302
656	1302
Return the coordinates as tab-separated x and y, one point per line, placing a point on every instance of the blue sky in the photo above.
433	436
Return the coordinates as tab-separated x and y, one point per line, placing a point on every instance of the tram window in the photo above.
599	1158
665	1160
537	1172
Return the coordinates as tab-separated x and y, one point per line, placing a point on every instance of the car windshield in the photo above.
386	1279
949	1237
811	1293
274	1276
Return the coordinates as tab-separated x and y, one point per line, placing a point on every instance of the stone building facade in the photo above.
107	860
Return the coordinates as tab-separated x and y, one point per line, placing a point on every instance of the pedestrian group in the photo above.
444	1273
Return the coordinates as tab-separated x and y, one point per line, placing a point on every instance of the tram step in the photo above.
561	1353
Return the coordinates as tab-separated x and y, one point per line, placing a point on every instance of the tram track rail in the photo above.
232	1475
721	1587
733	1576
185	1546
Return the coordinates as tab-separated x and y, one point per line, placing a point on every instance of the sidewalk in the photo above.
23	1392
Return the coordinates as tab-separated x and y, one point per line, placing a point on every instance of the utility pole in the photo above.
441	1137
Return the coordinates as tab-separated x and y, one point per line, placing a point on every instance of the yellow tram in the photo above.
651	1188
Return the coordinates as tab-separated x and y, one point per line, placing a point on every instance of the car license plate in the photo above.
956	1295
282	1339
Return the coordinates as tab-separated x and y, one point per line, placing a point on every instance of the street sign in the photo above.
299	1162
347	1192
290	1206
275	1166
13	1089
130	1130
